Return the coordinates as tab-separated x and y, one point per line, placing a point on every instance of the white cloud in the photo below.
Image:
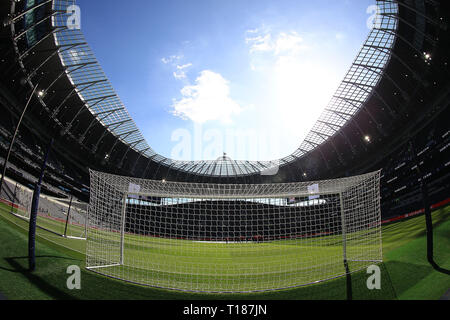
174	60
181	73
301	85
209	99
184	66
290	43
260	43
283	43
171	59
256	30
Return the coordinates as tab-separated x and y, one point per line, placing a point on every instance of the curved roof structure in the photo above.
401	66
99	98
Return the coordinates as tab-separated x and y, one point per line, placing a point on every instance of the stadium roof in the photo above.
399	74
101	100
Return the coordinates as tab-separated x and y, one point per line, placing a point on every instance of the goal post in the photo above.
75	226
65	217
232	237
122	228
344	232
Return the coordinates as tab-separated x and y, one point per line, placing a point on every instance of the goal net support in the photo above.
232	237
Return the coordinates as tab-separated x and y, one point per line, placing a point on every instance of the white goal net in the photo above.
232	237
60	216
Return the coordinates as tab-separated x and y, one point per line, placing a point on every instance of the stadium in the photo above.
367	187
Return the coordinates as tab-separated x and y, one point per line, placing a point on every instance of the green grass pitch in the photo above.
225	267
405	271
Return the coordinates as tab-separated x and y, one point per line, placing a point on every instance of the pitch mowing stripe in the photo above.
223	283
184	260
394	236
171	263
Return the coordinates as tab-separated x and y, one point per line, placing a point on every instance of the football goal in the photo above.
232	237
60	216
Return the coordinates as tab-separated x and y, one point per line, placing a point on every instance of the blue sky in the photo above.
245	77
